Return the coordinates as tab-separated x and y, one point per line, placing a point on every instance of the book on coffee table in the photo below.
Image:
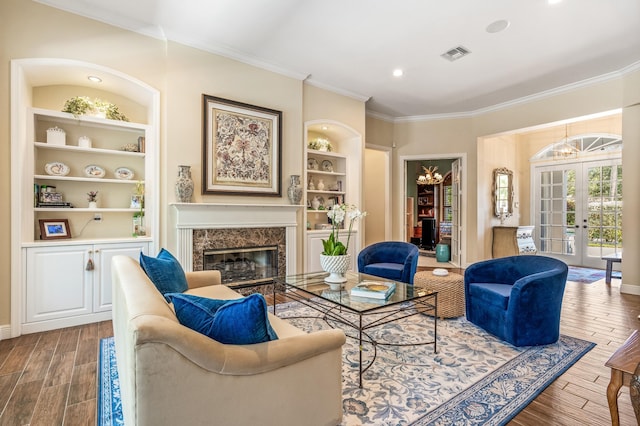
374	289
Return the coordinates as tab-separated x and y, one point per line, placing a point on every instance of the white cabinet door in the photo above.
58	285
314	249
102	255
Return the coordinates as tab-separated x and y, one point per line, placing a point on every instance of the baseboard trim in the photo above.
630	289
5	332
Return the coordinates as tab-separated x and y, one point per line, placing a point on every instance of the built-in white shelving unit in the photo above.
62	282
330	177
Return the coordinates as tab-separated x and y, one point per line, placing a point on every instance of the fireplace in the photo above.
243	265
204	226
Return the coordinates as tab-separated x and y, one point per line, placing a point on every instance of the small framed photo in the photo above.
52	229
137	201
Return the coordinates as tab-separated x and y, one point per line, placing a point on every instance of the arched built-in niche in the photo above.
31	81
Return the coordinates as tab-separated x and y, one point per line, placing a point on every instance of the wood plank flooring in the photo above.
51	378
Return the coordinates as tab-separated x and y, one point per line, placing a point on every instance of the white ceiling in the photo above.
352	46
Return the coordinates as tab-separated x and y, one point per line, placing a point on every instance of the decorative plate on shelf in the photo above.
312	164
94	171
123	173
56	169
327	166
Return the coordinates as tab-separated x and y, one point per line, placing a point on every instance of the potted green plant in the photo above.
83	105
335	258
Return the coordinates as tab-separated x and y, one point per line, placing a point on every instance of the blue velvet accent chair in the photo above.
394	260
517	298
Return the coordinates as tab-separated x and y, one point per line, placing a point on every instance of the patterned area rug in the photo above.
473	379
586	275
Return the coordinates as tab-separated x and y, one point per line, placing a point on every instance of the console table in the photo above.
623	363
611	259
512	241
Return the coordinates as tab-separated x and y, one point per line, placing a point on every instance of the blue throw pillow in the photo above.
236	322
165	272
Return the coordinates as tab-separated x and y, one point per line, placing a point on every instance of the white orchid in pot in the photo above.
335	258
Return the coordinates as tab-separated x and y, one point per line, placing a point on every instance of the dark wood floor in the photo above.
51	378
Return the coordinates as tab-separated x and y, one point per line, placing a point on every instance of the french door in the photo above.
578	211
456	214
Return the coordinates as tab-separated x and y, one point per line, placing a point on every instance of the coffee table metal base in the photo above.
333	311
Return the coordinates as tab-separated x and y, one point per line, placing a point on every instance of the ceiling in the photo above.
353	46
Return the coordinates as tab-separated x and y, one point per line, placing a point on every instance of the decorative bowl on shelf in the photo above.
327	166
123	173
94	171
312	164
56	169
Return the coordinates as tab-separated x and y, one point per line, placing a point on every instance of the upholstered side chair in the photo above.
517	298
395	260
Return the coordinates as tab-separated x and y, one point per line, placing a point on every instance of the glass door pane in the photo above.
556	213
603	211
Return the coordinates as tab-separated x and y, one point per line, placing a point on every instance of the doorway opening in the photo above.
433	213
377	194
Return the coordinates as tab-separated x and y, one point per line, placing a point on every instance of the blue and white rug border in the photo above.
505	413
108	414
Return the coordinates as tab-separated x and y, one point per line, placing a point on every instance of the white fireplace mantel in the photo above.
190	216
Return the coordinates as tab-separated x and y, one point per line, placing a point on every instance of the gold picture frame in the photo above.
241	146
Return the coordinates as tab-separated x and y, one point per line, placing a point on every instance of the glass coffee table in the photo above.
359	313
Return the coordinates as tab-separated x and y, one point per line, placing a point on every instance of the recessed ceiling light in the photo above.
94	78
398	73
325	127
497	26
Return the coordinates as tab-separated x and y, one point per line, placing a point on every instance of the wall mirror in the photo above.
502	192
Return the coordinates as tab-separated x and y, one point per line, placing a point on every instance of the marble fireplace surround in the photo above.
190	217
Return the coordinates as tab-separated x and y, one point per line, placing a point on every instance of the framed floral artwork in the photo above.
240	148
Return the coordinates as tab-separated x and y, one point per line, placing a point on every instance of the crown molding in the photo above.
562	89
380	116
526	99
433	117
310	81
236	55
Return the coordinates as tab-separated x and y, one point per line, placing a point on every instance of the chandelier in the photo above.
565	148
430	176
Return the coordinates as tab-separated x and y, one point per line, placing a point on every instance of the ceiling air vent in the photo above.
455	53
